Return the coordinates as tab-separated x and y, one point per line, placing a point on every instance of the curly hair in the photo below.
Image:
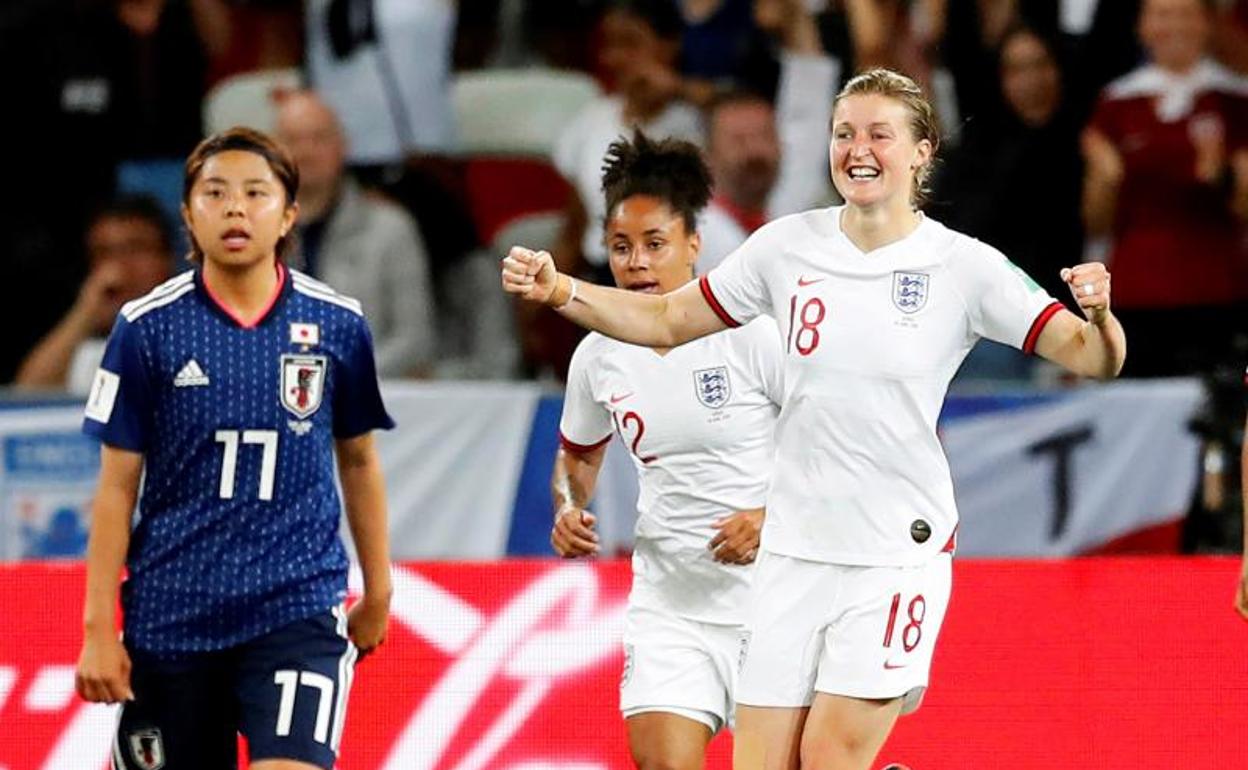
671	170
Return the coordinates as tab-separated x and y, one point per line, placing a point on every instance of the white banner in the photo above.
1064	476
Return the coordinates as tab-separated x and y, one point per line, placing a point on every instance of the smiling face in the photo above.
650	248
874	153
237	209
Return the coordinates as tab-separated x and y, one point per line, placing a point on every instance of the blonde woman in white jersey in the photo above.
698	421
878	305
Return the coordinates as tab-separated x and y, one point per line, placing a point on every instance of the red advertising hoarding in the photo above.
1096	663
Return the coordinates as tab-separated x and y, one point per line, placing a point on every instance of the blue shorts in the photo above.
285	692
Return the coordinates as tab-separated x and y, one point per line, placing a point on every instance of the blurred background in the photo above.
431	135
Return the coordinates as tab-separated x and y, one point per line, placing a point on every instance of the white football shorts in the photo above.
862	632
679	666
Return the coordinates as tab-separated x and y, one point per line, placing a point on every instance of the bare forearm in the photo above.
662	321
106	556
47	366
1100	202
1243	471
1102	350
574	478
364	497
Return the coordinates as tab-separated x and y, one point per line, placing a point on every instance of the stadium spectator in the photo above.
1166	184
360	244
244	35
384	68
129	252
702	455
759	154
637	56
1035	137
878	304
228	396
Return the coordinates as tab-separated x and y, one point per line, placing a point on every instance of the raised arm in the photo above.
1092	348
571	487
643	319
364	497
103	674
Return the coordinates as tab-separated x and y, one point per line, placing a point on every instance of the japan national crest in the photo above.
147	748
910	291
712	386
303	382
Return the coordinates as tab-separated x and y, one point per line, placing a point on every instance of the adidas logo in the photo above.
190	375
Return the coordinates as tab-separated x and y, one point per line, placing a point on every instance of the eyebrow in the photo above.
220	180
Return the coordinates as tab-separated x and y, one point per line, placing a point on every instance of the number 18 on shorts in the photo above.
863	632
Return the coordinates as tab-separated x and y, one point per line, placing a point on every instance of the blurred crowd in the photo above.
432	134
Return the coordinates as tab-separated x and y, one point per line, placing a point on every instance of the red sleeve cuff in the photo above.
728	320
1037	326
580	449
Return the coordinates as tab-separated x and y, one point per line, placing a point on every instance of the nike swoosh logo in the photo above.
617	399
804	281
890	666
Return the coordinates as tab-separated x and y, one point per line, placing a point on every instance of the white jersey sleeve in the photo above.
585	424
767	357
1003	303
737	289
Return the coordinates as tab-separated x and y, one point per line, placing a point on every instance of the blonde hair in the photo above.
923	121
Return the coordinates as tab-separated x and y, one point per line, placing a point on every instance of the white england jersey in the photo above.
698	423
871	341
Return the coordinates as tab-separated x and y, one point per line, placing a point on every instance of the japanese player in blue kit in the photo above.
230	395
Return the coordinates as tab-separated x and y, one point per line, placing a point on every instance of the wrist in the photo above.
564	292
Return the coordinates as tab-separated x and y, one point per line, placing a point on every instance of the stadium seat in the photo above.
516	112
500	190
536	230
247	99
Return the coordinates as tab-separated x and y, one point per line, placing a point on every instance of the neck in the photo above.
1180	68
873	227
245	291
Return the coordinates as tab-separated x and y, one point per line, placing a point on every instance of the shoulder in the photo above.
316	291
594	345
793	230
164	295
1142	82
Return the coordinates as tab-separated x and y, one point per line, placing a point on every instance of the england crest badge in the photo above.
910	291
147	748
712	386
303	383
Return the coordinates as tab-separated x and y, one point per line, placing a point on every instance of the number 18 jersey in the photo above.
238	520
871	341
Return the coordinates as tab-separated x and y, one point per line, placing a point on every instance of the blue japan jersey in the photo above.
237	532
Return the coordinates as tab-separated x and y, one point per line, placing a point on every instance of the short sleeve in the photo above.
1003	302
736	289
119	404
585	425
358	407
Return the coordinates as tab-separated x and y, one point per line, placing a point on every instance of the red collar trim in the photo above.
254	322
749	220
